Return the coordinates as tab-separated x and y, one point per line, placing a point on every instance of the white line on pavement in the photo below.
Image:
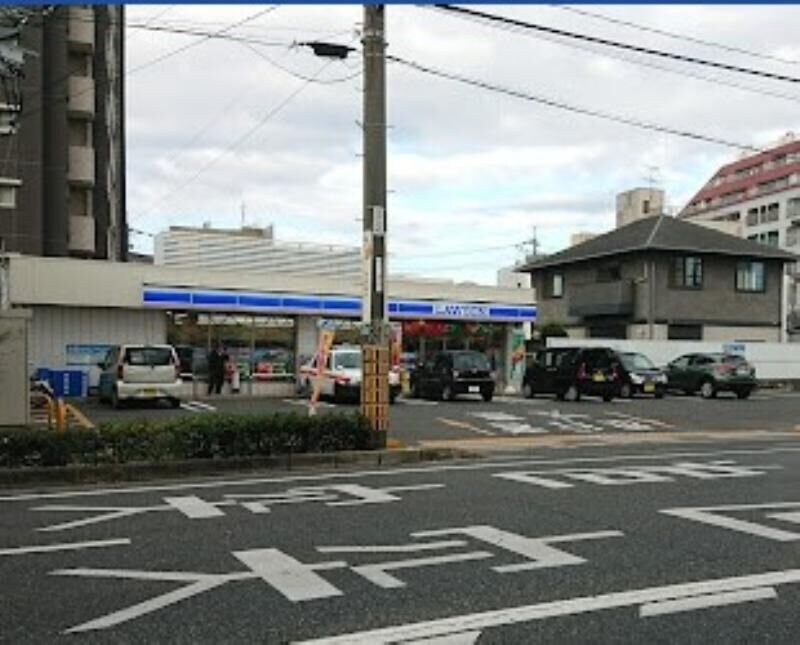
567	607
390	472
64	546
194	507
705	601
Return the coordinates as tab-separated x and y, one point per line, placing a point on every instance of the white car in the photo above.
140	372
341	378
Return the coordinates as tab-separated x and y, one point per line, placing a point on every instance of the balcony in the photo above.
80	29
81	165
81	234
601	299
81	95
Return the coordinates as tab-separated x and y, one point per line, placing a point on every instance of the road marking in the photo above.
514	462
646	420
692	603
406	401
293	579
378	574
566	607
193	507
303	403
465	426
712	515
462	638
792	516
393	548
626	475
64	546
197	406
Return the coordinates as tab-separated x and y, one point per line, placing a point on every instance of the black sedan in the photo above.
638	375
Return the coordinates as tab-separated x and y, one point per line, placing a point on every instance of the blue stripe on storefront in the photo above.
167	297
278	304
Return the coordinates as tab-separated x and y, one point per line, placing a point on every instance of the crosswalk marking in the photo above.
197	406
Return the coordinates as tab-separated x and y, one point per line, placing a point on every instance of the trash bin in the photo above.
68	383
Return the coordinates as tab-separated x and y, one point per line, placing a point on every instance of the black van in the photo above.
571	372
451	373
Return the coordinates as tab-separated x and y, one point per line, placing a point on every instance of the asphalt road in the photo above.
690	544
417	422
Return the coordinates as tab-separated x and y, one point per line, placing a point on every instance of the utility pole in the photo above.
375	349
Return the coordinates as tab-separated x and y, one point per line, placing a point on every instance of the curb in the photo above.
137	471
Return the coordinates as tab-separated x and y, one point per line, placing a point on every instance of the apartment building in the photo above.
62	162
254	251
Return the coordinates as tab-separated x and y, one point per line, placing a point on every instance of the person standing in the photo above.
216	370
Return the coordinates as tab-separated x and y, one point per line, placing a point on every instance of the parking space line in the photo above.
465	426
65	546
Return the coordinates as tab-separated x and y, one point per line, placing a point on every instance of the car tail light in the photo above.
724	368
343	379
582	371
120	372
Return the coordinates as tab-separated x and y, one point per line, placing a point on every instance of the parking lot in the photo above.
418	421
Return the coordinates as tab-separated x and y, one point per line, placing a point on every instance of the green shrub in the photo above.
208	436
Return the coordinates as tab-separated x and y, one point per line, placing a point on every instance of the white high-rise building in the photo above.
255	251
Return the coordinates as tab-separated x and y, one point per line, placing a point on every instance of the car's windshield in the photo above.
346	360
470	361
633	362
149	356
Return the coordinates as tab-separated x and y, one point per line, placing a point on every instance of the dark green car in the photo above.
711	373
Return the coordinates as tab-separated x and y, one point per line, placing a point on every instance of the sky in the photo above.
266	132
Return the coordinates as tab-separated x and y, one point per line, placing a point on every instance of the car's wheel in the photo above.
527	390
626	391
743	393
487	395
659	394
175	402
572	394
447	392
415	391
708	389
608	397
116	402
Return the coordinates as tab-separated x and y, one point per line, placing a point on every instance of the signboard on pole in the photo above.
323	349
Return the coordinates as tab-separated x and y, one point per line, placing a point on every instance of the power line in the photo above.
200	41
494	20
238	142
664	68
302	77
676	36
554	103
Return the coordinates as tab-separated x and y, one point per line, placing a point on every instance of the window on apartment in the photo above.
8	192
9	114
80	133
793	236
773	212
752	217
79	64
645	206
793	208
750	276
687	272
556	285
772	238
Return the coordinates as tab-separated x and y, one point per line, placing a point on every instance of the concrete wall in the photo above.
773	361
14	397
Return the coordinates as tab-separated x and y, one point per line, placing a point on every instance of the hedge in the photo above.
208	436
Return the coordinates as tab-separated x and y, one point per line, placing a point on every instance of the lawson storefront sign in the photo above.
329	306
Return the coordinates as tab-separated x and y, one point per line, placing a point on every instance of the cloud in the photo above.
220	125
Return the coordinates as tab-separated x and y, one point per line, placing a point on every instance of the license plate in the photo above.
474	389
598	378
743	371
149	391
649	387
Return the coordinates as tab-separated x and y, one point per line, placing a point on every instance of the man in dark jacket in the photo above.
216	370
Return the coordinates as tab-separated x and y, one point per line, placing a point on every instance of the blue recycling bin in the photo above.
68	383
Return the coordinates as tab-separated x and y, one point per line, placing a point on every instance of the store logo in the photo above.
461	311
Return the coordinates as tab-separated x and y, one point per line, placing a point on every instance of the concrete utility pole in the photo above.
375	386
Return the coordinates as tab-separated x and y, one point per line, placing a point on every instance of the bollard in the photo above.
61	415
